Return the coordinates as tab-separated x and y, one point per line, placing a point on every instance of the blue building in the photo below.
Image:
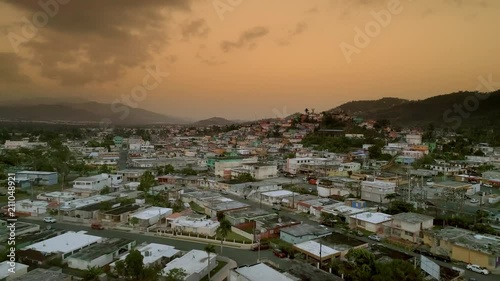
43	178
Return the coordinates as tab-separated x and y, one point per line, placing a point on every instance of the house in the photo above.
376	191
242	217
373	222
130	175
270	227
197	224
408	227
350	166
94	183
41	274
316	252
465	246
151	215
258	171
195	263
338	187
303	232
119	214
282	197
66	244
153	253
445	169
101	254
314	206
38	177
8	273
27	207
257	272
413	139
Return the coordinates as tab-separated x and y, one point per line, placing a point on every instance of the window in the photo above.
407	233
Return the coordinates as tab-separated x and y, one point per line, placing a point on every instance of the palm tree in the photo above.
391	196
223	230
210	248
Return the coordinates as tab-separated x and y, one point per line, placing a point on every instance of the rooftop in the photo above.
80	203
40	274
411	217
468	239
152	212
306	229
248	213
36	173
4	269
279	193
313	248
94	251
195	222
372	217
260	272
153	252
195	261
65	243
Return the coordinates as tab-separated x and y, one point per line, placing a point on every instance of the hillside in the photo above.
370	106
87	112
439	110
214	121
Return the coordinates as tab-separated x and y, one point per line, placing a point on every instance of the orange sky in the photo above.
249	59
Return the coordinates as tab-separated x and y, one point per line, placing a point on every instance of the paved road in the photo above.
242	257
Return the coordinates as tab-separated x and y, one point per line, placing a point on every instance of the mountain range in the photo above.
450	110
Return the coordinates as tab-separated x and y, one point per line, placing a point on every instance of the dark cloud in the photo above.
98	41
246	40
196	28
298	29
9	69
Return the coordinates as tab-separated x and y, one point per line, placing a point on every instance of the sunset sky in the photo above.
246	59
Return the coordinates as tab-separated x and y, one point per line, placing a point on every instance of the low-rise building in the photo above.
195	263
38	177
373	222
151	215
101	254
197	224
95	183
41	274
376	191
8	272
303	232
408	227
465	246
66	244
315	252
257	272
153	254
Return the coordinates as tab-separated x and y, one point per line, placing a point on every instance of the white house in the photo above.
66	244
195	225
31	207
257	272
153	253
414	139
376	191
151	215
373	222
195	263
351	166
99	255
8	273
408	226
97	182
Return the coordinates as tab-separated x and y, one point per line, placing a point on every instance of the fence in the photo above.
242	233
205	239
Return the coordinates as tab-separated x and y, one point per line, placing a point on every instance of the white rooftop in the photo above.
65	243
279	193
4	269
261	272
374	218
194	261
153	252
79	203
313	248
192	222
152	212
36	172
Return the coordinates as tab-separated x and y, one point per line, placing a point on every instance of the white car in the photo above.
474	201
476	268
49	219
374	237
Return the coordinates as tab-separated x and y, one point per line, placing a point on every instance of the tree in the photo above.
92	273
134	264
391	196
105	190
223	230
176	274
104	169
375	152
134	221
363	263
397	270
398	206
210	248
147	181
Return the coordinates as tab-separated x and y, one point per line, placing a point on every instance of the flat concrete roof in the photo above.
261	272
374	218
313	248
65	243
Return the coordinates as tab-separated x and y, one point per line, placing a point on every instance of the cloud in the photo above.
97	41
313	10
298	29
246	40
9	69
195	28
211	61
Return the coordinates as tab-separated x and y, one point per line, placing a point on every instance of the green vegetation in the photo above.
147	181
209	249
133	268
220	265
242	178
361	265
176	274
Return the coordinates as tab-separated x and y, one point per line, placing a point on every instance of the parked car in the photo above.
279	253
474	201
97	226
442	258
49	219
374	238
263	246
476	268
423	251
487	185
